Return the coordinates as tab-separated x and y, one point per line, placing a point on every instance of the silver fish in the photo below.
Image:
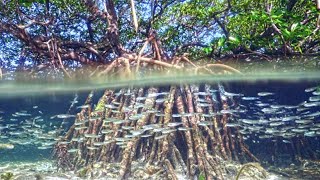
249	98
310	89
83	106
265	94
63	116
184	129
205	123
314	98
174	124
312	104
160	137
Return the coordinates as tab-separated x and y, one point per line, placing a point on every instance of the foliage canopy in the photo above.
40	34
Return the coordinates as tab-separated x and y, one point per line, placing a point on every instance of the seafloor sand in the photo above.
47	170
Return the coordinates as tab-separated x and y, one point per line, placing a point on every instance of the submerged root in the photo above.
165	128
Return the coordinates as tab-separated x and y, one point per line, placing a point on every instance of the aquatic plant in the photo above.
7	176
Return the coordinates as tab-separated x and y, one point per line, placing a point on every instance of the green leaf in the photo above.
201	177
233	39
221	42
293	27
286	32
207	50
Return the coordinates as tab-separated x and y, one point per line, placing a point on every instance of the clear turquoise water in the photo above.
33	133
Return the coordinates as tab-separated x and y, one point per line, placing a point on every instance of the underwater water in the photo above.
277	116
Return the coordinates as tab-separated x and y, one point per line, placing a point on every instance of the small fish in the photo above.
276	106
98	143
120	121
263	121
129	136
303	121
262	104
74	102
108	142
121	139
120	143
265	93
175	115
226	111
92	148
73	150
63	116
77	139
160	114
207	115
150	126
127	127
115	111
314	98
316	93
290	118
80	128
201	93
174	124
106	131
201	100
213	90
299	130
184	129
141	98
205	123
92	136
137	132
22	114
108	120
310	134
315	114
136	117
34	107
146	135
152	111
44	147
310	89
249	121
268	110
83	106
168	131
79	123
232	124
158	129
312	104
187	115
203	105
110	106
249	98
63	142
160	137
276	124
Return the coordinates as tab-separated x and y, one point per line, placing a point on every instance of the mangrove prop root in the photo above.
195	149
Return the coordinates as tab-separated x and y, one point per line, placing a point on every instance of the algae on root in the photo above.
245	168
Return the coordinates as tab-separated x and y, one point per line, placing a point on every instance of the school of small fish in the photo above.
258	116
